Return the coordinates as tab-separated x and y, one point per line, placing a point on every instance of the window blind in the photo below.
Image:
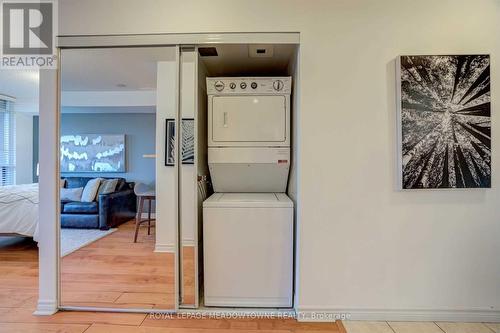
7	144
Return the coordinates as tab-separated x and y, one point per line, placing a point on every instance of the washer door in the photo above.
249	119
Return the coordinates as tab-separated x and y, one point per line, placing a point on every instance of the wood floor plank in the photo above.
23	315
116	305
146	329
42	328
91	296
13	298
117	287
341	326
150	298
249	324
188	275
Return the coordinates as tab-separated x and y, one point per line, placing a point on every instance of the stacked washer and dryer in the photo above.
248	221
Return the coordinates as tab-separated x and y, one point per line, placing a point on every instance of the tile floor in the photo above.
419	327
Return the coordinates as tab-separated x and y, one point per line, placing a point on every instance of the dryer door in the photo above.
248	119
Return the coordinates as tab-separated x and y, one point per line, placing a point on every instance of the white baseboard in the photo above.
45	308
170	248
330	315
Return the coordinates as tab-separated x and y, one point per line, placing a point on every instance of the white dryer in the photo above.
248	250
249	133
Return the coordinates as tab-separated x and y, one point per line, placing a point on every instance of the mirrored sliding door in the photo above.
188	226
194	175
119	177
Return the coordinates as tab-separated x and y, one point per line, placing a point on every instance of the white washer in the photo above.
248	250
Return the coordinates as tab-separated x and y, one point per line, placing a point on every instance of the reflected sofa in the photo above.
107	211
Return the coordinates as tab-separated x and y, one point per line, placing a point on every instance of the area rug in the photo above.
74	239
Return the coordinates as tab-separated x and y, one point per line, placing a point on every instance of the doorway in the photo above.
227	64
169	103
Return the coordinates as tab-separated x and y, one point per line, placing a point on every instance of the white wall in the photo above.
108	98
24	148
48	236
365	247
166	176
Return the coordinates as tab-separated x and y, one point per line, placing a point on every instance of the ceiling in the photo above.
234	60
110	69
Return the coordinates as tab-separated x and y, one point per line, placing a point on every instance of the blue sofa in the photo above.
109	210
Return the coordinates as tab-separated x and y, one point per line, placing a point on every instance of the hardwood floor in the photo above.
18	273
19	293
116	272
188	276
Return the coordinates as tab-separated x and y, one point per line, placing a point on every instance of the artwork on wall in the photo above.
187	146
93	153
187	141
444	118
170	143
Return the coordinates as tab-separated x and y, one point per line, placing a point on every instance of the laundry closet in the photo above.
238	199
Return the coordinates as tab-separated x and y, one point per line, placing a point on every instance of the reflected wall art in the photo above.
93	153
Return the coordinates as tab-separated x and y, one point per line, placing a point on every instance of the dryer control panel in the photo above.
249	85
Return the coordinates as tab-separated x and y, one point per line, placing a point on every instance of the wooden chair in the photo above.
143	193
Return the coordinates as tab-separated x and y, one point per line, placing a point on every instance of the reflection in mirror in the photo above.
188	217
194	176
115	249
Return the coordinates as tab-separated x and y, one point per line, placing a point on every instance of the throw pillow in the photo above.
90	190
108	186
71	194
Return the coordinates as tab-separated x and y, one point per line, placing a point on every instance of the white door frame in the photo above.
178	39
49	206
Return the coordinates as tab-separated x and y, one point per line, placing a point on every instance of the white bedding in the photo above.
19	210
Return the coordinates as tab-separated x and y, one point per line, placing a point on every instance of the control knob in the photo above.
243	85
232	85
253	85
219	85
278	85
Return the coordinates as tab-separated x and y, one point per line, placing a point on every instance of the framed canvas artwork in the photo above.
444	119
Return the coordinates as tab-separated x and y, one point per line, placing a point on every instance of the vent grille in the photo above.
208	51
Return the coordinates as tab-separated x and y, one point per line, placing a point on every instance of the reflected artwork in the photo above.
93	153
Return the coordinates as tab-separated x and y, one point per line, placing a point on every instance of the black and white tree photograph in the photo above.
445	112
187	141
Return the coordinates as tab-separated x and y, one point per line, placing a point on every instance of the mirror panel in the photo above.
188	182
119	196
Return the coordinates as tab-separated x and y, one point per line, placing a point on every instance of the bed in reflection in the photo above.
19	210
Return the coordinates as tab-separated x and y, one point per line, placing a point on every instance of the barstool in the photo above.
143	192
